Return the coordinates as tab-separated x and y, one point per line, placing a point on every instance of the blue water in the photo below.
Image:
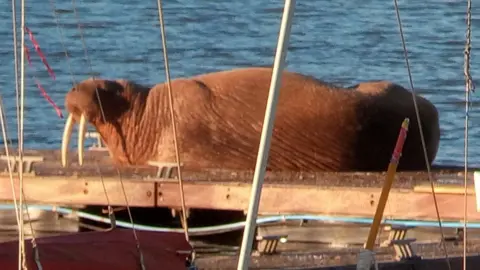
338	41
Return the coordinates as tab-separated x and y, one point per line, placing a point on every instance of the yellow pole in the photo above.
392	169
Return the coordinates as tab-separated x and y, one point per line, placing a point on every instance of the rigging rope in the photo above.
417	113
111	213
20	116
23	205
60	31
49	69
172	116
7	154
174	129
18	211
17	100
469	87
9	164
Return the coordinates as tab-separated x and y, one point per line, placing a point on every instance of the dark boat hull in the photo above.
112	250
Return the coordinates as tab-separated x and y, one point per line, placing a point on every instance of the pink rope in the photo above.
49	69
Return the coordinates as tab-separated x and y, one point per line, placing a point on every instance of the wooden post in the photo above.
392	169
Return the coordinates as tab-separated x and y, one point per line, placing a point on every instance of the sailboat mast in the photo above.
265	139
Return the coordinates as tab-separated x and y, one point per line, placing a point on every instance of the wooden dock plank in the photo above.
339	179
83	191
326	193
359	202
276	199
99	160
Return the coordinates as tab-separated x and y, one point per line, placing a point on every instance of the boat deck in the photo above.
346	258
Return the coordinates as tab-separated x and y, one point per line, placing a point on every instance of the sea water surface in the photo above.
338	41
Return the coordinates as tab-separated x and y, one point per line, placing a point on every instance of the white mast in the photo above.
264	148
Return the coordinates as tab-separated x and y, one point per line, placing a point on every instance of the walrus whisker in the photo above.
67	133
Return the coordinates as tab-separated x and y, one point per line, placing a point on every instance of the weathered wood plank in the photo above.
276	198
444	189
360	202
95	159
69	191
346	193
98	163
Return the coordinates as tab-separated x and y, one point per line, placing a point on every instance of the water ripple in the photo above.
340	41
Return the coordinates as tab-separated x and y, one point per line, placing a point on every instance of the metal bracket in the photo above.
108	210
268	244
401	245
174	212
190	260
456	238
98	146
165	169
27	163
111	215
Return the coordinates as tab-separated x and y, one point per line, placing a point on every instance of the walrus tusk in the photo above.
67	133
82	128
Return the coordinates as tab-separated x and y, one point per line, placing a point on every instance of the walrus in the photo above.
219	117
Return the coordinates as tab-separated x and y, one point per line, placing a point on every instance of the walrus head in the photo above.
95	101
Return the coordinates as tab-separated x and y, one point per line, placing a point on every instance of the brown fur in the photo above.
318	126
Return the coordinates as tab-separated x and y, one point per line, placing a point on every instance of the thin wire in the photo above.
15	55
82	37
103	184
74	82
430	178
85	51
17	100
21	132
62	41
111	213
142	264
20	109
34	237
172	116
468	88
7	153
10	170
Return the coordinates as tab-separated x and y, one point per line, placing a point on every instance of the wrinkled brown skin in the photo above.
219	116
